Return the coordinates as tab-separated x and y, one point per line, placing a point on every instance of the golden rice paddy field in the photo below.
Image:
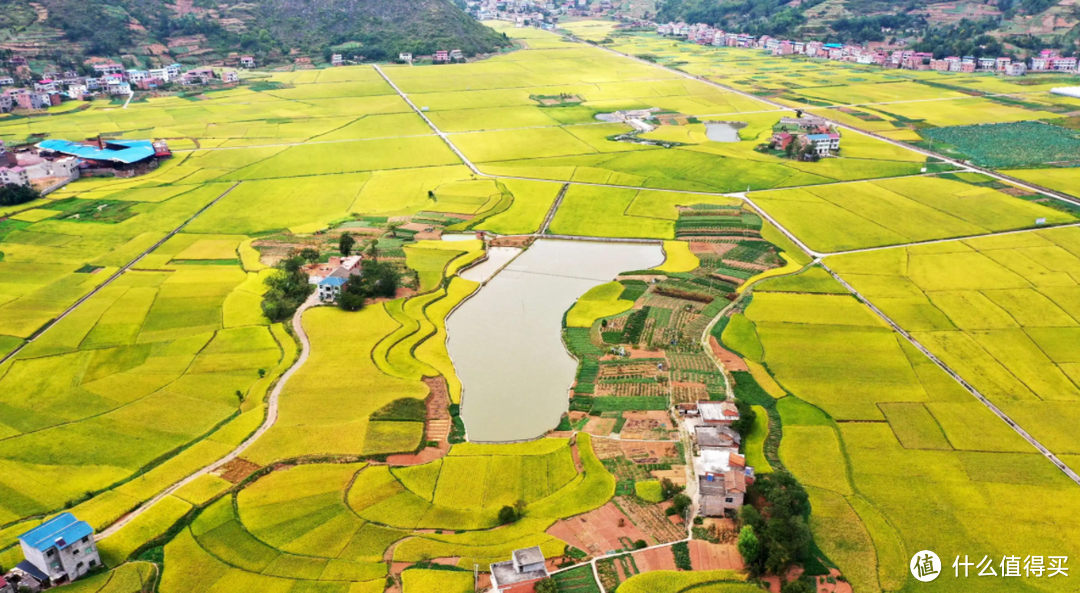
137	353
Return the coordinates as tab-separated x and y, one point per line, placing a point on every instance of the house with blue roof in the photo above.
61	549
330	288
824	144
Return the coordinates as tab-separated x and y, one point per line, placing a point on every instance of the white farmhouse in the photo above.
63	548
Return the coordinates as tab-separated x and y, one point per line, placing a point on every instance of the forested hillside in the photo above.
961	27
65	32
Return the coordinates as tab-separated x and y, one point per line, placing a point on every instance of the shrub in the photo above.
749	546
507	515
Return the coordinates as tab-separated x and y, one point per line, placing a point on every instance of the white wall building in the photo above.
62	547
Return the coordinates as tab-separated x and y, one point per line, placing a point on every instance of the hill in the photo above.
956	28
63	33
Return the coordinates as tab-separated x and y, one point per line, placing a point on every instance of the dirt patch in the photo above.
519	241
730	360
708	556
654	425
654	559
599	426
236	470
605	530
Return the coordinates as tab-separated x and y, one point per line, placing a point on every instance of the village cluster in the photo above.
702	34
110	79
543	15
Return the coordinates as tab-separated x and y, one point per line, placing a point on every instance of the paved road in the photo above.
271	418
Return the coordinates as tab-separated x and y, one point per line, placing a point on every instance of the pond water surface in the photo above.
506	340
723	131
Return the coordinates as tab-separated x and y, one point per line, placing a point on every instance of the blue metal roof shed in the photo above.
61	531
117	151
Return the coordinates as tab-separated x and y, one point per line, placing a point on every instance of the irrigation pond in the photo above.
506	340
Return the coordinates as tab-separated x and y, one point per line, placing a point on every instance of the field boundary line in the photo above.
114	277
961	164
554	208
952	239
430	123
268	422
744	196
1072	475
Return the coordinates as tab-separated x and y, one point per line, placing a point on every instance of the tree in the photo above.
352	294
680	503
372	250
393	227
669	489
749	546
12	194
507	515
345	244
547	585
309	254
641	544
287	288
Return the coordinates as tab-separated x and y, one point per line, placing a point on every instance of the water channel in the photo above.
506	339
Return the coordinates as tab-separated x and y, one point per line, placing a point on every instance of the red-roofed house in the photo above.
781	140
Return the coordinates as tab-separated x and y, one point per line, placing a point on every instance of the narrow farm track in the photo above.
963	165
975	392
115	275
738	195
554	208
271	418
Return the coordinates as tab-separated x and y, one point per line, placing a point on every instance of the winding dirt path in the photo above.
271	418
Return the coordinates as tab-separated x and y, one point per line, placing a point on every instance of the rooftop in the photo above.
118	151
332	281
718	411
28	567
714	461
504	573
527	556
712	436
60	531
